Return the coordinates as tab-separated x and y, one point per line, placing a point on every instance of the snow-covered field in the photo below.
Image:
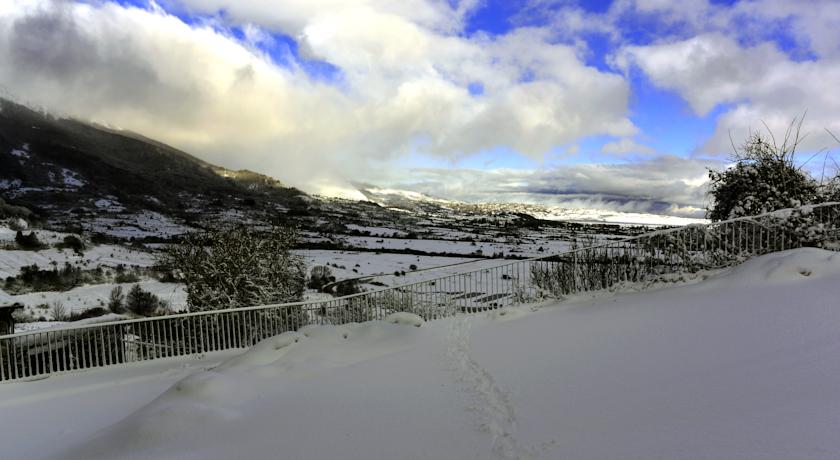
740	365
525	248
138	225
82	298
79	299
366	263
107	255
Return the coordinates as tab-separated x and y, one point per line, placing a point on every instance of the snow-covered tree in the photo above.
763	178
229	267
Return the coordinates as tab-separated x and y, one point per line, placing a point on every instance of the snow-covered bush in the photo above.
763	178
362	308
320	276
28	242
830	191
380	304
72	242
10	210
93	312
34	279
17	224
590	270
802	227
346	287
238	266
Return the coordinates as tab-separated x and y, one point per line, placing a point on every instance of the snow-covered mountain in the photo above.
413	201
559	213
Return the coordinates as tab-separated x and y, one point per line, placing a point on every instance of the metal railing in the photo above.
602	266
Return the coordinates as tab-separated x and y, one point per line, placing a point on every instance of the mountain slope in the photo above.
57	163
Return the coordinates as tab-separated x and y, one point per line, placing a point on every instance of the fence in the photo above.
690	248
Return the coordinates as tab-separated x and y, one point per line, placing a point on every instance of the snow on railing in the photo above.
690	248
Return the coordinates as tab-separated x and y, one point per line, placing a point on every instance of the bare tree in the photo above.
116	300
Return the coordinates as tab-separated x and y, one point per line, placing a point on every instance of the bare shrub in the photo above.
58	311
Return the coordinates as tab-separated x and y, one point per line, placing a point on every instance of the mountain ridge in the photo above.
43	158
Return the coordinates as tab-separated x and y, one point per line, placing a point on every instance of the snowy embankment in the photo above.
84	297
109	257
743	364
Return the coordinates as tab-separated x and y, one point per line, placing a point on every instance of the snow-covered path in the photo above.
495	412
742	365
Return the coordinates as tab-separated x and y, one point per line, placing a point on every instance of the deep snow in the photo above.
743	364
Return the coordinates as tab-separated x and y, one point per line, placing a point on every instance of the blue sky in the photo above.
597	99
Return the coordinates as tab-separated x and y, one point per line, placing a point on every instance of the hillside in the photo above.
57	165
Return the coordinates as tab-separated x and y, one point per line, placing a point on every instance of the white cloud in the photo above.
662	185
404	68
809	28
762	85
626	146
714	54
403	85
707	70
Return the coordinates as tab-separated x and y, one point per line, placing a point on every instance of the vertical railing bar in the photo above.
17	349
86	343
227	331
101	346
178	343
162	344
212	332
170	340
4	347
80	349
155	324
106	341
24	358
50	335
39	357
7	361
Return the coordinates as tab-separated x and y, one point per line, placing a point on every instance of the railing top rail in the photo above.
413	284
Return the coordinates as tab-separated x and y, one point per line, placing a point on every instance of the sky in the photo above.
618	104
